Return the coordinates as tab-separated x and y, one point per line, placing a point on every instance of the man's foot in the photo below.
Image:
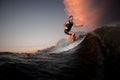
73	40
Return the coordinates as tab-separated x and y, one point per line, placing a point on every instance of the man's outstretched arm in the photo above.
78	25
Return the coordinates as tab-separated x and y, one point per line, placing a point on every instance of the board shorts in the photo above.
67	31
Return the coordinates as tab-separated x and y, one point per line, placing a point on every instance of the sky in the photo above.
31	25
94	12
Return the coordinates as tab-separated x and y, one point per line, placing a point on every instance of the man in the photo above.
67	29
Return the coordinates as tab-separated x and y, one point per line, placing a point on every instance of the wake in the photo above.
64	44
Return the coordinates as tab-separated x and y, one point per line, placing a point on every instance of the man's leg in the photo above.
74	37
72	34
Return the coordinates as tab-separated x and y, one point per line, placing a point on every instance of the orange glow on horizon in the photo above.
29	49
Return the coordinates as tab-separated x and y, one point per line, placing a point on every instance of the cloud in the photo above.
93	12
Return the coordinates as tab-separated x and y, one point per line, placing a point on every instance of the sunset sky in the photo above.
31	25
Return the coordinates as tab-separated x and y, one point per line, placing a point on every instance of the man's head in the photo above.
71	17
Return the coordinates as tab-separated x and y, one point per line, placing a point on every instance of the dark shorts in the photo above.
66	32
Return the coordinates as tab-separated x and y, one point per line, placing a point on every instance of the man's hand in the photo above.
81	25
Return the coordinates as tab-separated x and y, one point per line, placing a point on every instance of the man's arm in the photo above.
78	25
65	25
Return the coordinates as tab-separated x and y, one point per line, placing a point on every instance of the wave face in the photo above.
64	44
95	58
